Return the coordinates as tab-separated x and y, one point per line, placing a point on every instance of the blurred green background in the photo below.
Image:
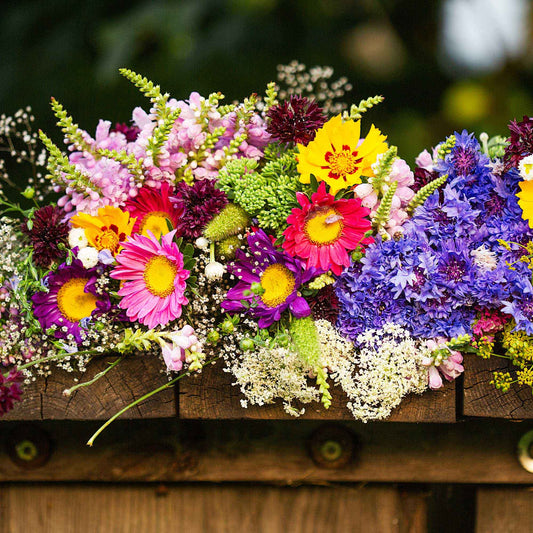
441	65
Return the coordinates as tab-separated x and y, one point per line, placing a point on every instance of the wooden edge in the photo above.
274	452
211	396
481	399
128	381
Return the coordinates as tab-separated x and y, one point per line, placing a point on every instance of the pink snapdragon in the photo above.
184	342
400	173
443	362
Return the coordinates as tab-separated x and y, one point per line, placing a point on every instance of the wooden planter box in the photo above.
210	396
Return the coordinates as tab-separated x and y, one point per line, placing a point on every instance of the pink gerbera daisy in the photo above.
324	230
154	279
154	210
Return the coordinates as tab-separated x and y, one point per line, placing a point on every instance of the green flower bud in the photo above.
29	192
213	336
247	344
227	327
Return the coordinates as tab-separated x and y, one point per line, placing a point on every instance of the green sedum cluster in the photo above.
267	194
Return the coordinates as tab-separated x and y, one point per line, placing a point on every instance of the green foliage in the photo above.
357	111
268	194
383	211
165	115
133	164
496	146
271	96
72	131
150	90
304	337
446	147
425	192
58	164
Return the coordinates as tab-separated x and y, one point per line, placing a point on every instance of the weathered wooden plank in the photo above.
504	510
477	451
128	381
197	509
210	395
481	399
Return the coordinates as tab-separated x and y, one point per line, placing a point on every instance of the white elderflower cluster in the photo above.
270	373
386	367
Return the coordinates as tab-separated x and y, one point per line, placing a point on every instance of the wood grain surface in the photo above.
210	395
168	450
128	381
504	510
199	509
481	399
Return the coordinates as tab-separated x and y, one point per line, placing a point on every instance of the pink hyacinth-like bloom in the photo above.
175	353
113	182
448	366
196	121
402	174
154	278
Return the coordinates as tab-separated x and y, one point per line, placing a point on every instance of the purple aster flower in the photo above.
10	390
200	202
280	276
71	297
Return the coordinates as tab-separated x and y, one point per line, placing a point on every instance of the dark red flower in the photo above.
200	203
296	120
47	233
325	305
10	390
520	142
131	132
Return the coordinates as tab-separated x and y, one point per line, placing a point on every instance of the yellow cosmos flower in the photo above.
336	156
107	230
525	201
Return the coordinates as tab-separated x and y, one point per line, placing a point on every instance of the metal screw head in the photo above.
28	446
332	446
525	451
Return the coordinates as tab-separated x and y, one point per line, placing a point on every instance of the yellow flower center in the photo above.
278	282
159	275
73	302
156	222
109	238
342	163
323	226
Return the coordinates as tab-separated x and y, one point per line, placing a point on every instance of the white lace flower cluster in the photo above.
266	374
387	367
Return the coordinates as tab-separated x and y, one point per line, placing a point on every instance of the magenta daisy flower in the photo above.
154	286
71	297
154	211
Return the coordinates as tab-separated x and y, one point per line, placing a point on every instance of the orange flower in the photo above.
107	230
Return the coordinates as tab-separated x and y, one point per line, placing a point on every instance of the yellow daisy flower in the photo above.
107	230
336	155
525	201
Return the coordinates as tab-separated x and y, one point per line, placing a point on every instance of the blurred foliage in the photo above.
72	51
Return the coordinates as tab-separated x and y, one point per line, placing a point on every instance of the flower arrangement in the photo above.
277	233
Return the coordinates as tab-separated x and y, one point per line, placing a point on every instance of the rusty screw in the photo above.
332	446
28	446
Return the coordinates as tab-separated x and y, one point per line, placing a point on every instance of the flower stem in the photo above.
171	383
101	374
56	357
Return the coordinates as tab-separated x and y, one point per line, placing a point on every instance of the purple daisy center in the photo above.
495	204
526	307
